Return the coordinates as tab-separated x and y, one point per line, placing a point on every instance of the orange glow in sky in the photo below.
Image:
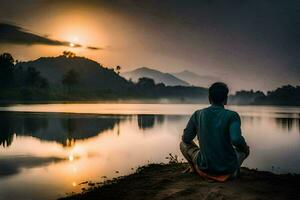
136	34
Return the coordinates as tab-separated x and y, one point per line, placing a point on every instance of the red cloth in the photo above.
219	178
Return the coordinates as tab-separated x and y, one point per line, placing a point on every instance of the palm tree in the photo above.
69	54
33	78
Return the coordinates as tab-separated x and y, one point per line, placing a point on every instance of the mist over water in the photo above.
53	148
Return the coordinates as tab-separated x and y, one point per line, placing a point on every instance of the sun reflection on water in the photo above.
71	157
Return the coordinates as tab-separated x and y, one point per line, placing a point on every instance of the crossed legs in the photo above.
190	152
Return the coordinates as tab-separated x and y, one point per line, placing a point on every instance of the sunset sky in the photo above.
248	44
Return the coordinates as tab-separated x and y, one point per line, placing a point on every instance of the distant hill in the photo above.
92	75
157	76
195	79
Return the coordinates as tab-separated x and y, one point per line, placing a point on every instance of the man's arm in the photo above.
236	137
189	133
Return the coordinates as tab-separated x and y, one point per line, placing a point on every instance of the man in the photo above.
222	148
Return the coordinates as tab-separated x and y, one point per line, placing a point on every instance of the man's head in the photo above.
218	93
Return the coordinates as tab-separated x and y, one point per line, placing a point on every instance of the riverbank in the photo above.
158	181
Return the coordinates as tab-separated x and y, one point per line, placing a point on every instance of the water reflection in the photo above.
283	123
146	121
11	165
38	149
62	128
66	129
149	121
287	123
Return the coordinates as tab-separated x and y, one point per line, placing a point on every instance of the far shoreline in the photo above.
125	101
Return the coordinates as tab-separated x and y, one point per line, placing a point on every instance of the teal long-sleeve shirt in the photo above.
218	131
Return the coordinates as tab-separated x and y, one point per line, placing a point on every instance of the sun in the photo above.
74	41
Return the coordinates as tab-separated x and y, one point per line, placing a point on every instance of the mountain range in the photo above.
183	78
196	79
157	76
68	77
94	76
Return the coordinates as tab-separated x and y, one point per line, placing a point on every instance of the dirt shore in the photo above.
158	181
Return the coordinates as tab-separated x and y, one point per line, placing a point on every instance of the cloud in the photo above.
94	48
12	34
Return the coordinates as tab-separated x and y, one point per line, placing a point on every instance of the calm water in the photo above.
47	150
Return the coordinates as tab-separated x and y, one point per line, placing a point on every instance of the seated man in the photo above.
222	148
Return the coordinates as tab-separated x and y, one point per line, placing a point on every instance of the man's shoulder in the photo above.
232	114
202	110
210	108
198	112
231	111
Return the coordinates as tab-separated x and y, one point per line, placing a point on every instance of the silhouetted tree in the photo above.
69	54
146	82
6	70
161	85
245	97
34	79
31	75
19	78
285	95
43	83
70	79
118	69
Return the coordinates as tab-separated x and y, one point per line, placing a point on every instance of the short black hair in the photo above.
218	93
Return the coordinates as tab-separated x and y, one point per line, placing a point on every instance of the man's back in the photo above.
217	130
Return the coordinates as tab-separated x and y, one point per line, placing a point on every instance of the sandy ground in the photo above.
167	182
